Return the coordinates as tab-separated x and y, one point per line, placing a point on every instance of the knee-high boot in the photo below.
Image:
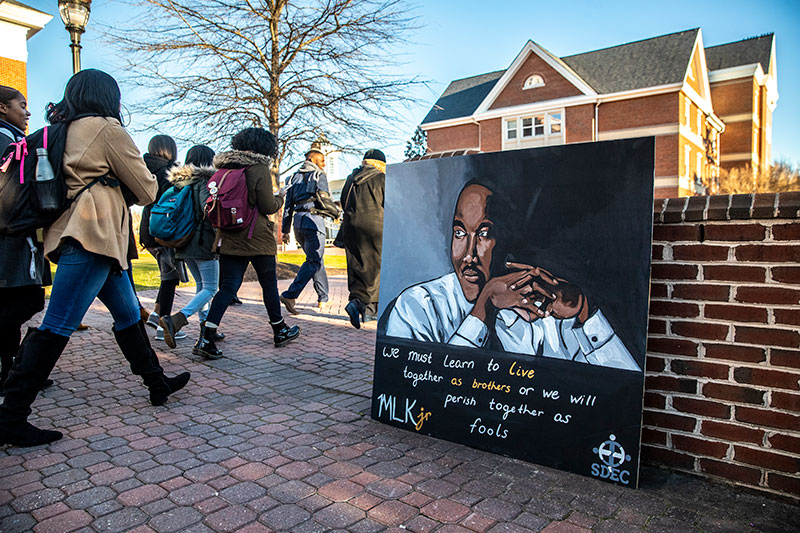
35	360
135	346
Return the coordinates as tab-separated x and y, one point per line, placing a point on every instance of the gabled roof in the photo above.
462	97
649	63
744	52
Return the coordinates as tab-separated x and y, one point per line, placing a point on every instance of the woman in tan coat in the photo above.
89	242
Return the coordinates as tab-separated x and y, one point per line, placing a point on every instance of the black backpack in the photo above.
23	200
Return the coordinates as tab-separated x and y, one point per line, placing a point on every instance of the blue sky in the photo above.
467	37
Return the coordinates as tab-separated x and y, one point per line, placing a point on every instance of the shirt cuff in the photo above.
471	332
594	333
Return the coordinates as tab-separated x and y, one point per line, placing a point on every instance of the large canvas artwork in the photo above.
513	303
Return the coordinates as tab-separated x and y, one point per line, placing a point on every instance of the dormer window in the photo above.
533	81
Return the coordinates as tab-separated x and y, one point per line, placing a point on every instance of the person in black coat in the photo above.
160	158
23	268
361	234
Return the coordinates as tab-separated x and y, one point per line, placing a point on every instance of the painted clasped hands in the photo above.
533	293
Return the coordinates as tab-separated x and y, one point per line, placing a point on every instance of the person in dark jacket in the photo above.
23	268
309	228
253	150
160	158
361	233
197	254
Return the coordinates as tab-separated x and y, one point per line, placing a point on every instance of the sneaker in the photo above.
236	301
289	303
160	334
323	306
152	320
286	334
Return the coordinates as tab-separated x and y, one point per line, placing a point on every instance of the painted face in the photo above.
473	240
16	112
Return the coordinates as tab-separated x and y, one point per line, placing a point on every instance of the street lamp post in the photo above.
75	14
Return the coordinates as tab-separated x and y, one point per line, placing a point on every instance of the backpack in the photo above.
172	218
227	206
23	200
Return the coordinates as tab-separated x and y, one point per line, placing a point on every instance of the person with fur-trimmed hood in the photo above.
253	150
198	255
361	235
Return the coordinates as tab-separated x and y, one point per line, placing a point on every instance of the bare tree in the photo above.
780	177
297	67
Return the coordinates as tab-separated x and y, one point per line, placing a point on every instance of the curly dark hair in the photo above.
256	140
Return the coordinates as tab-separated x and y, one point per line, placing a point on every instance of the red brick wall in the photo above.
13	74
556	86
638	112
722	391
578	123
732	97
667	153
453	138
491	135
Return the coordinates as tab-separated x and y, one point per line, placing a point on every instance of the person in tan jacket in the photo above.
89	242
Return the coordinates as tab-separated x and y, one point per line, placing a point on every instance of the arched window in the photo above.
533	81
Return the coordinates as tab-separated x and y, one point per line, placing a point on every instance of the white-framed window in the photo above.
699	165
533	81
555	123
540	127
687	160
687	112
527	127
511	129
533	126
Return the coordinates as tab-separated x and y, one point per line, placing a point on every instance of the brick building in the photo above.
18	23
709	108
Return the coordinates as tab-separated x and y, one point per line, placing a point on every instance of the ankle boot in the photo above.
284	334
172	325
135	346
355	310
35	360
217	337
207	346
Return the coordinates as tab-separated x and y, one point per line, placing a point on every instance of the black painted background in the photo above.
582	211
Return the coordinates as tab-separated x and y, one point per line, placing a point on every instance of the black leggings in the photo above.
166	295
232	268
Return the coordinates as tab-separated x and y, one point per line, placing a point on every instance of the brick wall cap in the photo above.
727	207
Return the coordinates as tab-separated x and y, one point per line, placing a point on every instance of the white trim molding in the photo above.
735	73
569	101
21	15
737	156
662	182
554	62
646	131
741	117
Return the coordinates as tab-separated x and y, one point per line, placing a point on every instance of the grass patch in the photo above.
297	258
146	275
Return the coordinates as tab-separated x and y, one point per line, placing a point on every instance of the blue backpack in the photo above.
172	218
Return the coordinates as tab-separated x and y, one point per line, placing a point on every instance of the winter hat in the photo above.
375	154
315	148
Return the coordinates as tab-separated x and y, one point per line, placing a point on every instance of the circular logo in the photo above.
611	452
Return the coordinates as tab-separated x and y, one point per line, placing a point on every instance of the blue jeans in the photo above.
206	277
81	276
313	243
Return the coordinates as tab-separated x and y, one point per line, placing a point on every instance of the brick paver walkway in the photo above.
280	439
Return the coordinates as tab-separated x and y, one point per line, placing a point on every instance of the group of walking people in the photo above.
92	244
